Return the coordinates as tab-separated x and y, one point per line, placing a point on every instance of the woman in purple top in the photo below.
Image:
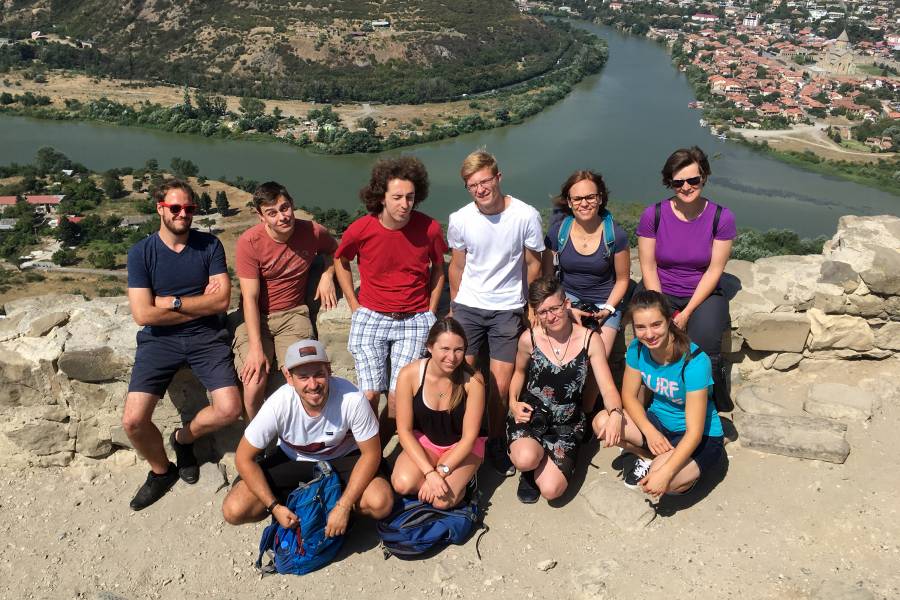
683	245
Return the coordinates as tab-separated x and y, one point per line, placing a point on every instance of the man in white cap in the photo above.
314	417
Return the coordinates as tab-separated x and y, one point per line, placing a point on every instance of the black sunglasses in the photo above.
692	181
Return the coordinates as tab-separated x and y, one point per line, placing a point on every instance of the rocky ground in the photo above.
769	527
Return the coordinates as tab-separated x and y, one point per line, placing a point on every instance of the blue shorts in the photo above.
158	357
612	321
707	453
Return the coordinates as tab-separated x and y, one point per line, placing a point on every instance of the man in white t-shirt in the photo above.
496	243
314	417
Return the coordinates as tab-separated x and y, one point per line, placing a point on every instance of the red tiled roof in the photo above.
10	200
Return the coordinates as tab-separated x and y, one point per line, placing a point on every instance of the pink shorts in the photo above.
477	448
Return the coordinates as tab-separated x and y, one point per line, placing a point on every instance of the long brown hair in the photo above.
561	202
459	375
646	299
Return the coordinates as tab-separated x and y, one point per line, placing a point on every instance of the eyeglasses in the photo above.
188	209
472	187
557	310
691	181
589	199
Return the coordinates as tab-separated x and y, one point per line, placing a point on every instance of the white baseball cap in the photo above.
303	352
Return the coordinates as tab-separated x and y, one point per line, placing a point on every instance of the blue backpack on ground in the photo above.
311	502
414	527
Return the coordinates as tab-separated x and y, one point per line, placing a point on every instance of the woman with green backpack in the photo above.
588	252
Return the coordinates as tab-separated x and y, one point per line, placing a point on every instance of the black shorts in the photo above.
501	328
707	453
284	474
158	357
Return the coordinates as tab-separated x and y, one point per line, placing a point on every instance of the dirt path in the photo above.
811	137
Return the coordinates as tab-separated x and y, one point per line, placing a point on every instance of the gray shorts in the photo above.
501	328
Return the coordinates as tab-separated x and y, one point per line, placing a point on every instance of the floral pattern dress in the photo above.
558	389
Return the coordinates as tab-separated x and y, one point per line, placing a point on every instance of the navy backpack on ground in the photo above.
414	527
311	502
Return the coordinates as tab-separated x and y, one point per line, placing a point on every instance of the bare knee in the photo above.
230	410
599	424
554	489
404	484
233	511
526	459
134	424
377	501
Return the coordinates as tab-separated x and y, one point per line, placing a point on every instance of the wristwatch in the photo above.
443	470
610	308
176	303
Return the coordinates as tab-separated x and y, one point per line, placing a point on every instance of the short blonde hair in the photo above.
476	161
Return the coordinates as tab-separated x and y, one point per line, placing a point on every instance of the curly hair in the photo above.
408	168
562	201
159	194
685	157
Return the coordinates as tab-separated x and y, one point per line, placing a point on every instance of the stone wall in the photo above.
65	361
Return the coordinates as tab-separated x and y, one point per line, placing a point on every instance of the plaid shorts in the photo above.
375	338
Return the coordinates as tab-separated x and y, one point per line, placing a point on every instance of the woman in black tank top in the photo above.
440	402
546	419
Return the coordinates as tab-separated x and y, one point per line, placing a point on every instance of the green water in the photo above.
623	122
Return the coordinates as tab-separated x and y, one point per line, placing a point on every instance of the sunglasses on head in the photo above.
691	181
188	209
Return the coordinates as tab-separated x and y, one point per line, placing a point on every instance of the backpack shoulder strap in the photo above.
692	355
657	213
609	233
716	220
564	229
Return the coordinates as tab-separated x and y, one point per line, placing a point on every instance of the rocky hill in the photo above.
390	50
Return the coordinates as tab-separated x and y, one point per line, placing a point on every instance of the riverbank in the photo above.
876	170
323	128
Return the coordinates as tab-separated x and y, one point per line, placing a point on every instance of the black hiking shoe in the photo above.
640	470
188	469
499	459
154	488
528	492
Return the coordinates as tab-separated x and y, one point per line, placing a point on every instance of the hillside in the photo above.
316	50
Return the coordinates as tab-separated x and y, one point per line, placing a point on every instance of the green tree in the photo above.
368	123
251	107
184	168
222	206
65	257
102	259
112	185
67	232
204	203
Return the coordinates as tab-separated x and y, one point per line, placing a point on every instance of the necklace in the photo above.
586	238
560	352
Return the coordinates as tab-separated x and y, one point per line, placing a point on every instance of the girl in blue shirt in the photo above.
680	436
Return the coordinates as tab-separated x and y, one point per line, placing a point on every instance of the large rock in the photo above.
868	306
801	437
762	400
840	402
99	364
622	507
887	336
786	361
9	326
45	323
840	274
839	331
892	307
776	332
871	246
27	376
41	436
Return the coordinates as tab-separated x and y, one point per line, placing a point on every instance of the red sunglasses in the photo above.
188	209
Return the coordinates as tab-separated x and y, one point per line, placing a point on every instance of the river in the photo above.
623	122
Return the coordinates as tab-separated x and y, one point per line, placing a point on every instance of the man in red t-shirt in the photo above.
273	259
400	253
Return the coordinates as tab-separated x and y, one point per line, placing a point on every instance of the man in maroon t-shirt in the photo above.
273	259
400	253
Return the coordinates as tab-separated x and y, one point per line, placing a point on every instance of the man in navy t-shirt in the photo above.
177	285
